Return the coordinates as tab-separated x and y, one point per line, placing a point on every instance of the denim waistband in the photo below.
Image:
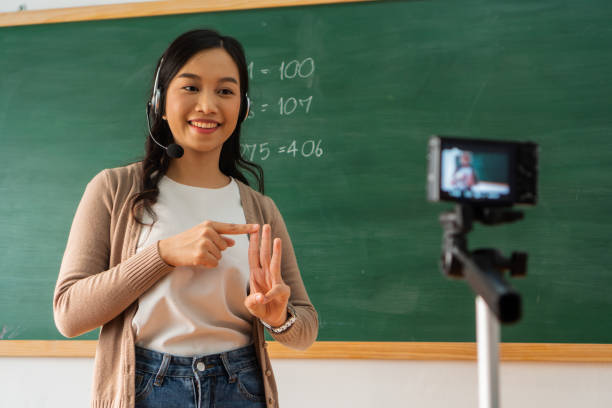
226	363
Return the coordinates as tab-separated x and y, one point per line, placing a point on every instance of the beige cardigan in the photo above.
102	277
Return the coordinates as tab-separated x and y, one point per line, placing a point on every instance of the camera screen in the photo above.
473	173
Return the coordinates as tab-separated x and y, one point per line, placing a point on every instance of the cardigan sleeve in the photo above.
88	292
304	331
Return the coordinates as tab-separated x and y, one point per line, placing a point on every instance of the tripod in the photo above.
496	300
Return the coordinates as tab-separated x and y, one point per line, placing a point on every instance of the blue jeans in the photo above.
230	379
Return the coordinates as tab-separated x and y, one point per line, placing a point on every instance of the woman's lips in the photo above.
207	126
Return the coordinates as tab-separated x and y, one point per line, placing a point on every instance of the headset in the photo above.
174	150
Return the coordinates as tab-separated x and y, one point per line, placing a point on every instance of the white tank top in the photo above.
195	310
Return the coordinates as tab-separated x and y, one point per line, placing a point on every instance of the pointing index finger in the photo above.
225	228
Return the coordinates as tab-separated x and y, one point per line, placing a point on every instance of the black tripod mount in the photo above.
483	268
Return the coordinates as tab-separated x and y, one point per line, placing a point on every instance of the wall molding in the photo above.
146	9
447	351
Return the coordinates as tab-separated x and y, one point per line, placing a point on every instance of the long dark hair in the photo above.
156	162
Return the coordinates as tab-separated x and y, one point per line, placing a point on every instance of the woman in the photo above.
159	257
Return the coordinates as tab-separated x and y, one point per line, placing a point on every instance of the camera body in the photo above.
482	172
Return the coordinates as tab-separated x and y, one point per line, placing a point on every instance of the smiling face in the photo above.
466	159
203	102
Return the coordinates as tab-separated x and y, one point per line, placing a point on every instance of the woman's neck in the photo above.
198	170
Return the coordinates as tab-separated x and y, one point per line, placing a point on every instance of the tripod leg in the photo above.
487	336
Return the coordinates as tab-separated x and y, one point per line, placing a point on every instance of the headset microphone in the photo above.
173	150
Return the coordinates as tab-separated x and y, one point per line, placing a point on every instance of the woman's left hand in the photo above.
269	294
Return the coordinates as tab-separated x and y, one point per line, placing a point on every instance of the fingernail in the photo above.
259	297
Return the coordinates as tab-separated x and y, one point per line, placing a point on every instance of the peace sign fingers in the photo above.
275	262
256	276
265	255
269	294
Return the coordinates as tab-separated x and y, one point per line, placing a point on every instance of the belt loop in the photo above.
159	378
226	364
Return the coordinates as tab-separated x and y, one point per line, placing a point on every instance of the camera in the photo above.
485	179
482	172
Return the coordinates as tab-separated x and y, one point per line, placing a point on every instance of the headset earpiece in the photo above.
156	91
173	150
155	101
248	107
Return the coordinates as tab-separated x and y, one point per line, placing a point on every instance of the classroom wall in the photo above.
66	382
14	5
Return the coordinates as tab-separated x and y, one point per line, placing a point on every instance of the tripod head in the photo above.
482	268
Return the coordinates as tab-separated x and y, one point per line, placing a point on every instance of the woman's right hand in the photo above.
202	244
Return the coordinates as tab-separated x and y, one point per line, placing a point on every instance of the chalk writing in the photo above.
286	106
7	333
293	69
262	151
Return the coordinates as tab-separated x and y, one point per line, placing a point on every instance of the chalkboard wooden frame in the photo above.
439	351
545	352
144	9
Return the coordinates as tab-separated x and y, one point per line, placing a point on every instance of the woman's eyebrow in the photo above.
189	75
195	76
229	79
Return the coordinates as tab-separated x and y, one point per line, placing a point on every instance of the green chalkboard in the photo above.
345	98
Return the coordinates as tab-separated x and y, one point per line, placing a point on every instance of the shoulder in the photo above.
252	193
124	174
257	204
116	180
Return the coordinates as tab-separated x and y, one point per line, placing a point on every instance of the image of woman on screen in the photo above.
464	177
